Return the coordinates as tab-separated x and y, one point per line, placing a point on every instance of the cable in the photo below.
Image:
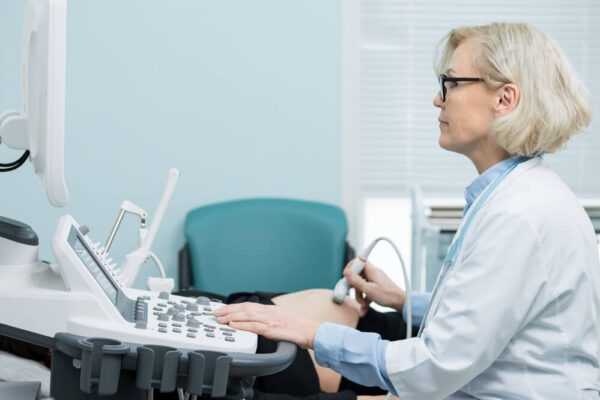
158	264
15	164
407	303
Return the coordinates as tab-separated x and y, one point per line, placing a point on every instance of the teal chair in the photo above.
271	245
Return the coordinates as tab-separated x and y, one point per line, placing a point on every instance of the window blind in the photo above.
398	123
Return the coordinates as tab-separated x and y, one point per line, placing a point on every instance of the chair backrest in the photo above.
272	245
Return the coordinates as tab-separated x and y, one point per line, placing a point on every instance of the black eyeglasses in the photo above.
444	78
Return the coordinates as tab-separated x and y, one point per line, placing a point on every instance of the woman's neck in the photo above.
487	156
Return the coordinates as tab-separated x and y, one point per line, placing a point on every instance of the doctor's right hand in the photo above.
374	285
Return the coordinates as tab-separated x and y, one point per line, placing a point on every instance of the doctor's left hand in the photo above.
271	322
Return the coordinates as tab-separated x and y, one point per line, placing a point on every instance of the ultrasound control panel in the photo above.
133	315
182	317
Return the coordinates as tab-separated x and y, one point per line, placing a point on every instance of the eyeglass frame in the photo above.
443	78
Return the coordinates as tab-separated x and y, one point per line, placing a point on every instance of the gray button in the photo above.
223	328
210	334
207	309
173	311
84	230
185	301
227	334
157	308
163	317
216	301
178	317
177	324
193	323
141	325
170	302
156	313
210	326
161	305
191	335
192	330
162	324
207	313
177	330
229	339
203	301
189	316
192	307
208	330
146	297
163	295
162	330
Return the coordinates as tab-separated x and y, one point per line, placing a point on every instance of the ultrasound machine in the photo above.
108	340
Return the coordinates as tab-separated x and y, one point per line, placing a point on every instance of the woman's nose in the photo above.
437	100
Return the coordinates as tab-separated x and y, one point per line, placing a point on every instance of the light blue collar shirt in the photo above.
482	181
360	356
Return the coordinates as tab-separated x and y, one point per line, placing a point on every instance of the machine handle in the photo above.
263	364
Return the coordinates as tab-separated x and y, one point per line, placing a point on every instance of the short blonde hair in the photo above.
553	105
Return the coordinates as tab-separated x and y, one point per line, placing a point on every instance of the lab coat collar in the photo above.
483	180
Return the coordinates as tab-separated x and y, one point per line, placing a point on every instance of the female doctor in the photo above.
515	313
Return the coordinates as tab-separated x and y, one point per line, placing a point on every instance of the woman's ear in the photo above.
507	99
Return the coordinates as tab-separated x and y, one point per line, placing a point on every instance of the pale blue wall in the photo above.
241	96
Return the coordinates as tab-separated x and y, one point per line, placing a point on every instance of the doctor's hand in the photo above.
374	285
271	322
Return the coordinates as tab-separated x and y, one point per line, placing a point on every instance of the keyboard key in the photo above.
204	301
141	325
178	317
163	317
193	323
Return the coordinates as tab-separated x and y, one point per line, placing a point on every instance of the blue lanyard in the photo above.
456	246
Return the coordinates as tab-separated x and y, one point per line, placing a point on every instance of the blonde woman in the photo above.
515	313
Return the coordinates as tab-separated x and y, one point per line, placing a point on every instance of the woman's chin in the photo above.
449	145
444	142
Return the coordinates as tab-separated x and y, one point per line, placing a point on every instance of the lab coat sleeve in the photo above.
485	299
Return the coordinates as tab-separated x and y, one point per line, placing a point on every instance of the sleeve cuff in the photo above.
328	344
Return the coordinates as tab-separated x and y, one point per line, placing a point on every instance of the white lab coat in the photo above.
518	316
